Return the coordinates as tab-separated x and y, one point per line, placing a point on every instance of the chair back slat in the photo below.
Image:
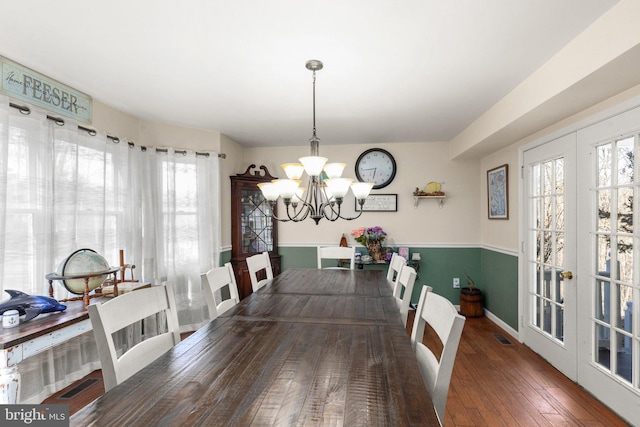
257	263
395	265
337	253
126	310
444	319
213	282
403	289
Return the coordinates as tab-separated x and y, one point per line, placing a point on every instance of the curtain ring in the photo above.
22	108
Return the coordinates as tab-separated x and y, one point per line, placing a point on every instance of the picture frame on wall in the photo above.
498	192
379	203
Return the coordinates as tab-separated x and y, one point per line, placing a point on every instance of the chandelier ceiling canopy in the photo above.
326	188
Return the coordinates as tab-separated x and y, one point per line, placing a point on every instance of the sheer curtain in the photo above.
180	222
62	189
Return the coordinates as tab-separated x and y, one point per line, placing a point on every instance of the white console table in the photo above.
33	337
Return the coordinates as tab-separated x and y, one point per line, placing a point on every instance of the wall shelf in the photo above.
440	199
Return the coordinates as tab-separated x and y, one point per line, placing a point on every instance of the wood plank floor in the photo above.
493	384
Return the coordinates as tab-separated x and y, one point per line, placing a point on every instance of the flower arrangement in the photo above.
372	238
365	235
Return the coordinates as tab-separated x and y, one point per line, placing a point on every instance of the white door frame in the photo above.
629	408
598	116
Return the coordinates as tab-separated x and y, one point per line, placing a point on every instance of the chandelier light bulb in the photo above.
287	187
334	170
293	170
339	187
361	189
313	164
269	191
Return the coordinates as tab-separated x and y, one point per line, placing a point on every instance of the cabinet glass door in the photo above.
257	227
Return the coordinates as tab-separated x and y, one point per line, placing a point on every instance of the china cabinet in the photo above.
252	230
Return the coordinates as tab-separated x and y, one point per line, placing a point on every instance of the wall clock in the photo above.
376	165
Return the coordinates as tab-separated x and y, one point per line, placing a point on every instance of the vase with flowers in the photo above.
372	238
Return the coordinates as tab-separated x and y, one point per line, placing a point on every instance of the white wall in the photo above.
503	234
457	223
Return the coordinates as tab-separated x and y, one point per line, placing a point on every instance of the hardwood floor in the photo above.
507	384
496	382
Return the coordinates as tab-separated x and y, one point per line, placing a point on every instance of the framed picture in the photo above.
379	203
404	253
498	192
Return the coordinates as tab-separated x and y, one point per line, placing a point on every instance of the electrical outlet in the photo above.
456	282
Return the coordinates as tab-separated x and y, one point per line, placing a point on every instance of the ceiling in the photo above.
409	71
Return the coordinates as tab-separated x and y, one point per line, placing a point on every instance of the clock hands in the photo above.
371	169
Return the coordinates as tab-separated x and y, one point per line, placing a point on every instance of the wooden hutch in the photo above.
252	230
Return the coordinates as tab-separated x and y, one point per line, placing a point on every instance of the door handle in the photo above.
566	275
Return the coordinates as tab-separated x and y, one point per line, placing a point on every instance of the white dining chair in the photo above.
395	265
442	316
124	310
257	263
213	283
337	253
405	281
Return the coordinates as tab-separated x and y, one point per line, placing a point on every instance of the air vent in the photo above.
79	388
502	339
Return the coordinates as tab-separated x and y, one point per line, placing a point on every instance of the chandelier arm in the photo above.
297	213
337	214
272	205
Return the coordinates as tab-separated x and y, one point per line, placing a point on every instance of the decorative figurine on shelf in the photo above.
30	305
389	254
432	189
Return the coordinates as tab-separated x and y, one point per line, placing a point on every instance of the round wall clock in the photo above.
376	165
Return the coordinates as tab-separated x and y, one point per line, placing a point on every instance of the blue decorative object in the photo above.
30	305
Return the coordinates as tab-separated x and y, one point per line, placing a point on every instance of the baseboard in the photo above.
495	319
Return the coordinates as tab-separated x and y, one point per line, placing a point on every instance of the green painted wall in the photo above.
499	284
225	256
495	273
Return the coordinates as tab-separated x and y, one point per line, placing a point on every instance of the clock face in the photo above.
376	165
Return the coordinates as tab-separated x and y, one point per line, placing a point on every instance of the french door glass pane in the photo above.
604	210
547	209
615	274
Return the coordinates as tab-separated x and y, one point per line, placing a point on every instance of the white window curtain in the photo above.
62	189
180	221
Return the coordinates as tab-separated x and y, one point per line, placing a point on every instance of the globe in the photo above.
83	262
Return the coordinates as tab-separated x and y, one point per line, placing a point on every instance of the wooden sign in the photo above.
379	203
27	85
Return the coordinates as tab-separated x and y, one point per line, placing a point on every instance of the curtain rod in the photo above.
60	122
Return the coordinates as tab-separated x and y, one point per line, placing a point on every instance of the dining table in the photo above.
312	347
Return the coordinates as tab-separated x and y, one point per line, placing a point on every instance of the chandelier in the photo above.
326	187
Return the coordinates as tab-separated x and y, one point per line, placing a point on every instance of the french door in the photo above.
608	241
581	269
549	315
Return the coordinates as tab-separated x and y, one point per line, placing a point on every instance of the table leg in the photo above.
9	385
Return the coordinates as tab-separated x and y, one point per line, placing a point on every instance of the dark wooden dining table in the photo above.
313	347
